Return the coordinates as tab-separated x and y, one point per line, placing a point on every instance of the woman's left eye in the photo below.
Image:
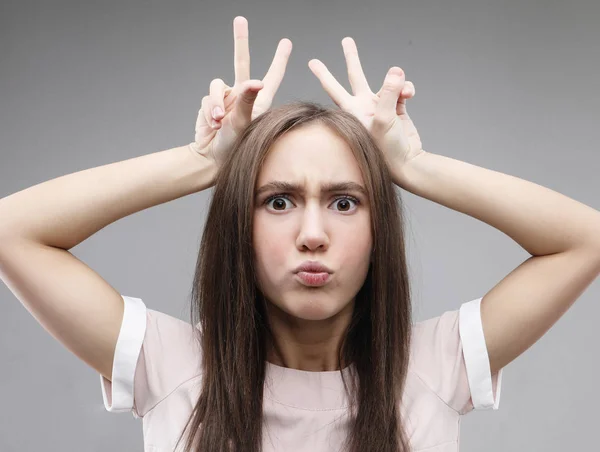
344	202
347	201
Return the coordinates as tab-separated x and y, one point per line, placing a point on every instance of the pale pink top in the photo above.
156	376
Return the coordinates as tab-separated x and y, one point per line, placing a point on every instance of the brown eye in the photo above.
279	202
345	203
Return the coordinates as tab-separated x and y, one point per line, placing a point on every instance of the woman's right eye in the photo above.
280	202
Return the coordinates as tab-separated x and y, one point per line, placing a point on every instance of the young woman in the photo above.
301	336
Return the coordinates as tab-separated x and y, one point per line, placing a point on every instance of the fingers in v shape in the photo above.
274	76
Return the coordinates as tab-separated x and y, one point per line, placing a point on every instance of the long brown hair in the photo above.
230	310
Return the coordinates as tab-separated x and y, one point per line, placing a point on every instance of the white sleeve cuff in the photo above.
118	394
476	357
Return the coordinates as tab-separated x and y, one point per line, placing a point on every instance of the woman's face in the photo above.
308	224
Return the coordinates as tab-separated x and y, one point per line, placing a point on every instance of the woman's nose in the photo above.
313	233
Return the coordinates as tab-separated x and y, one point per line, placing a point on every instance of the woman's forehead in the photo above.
310	155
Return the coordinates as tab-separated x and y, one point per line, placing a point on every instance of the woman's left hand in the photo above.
382	113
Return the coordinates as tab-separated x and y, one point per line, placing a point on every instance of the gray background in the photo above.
510	86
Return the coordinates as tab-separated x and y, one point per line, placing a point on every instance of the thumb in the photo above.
242	112
385	111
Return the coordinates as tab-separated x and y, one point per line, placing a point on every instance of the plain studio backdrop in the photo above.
510	86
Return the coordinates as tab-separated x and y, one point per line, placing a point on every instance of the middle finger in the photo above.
357	78
241	50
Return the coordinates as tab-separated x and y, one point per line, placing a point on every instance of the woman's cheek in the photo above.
274	257
270	253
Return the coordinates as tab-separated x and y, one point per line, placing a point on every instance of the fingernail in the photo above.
395	72
217	111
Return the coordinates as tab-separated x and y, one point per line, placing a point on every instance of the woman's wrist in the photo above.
203	166
404	174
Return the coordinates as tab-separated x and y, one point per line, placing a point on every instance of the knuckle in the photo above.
391	85
247	99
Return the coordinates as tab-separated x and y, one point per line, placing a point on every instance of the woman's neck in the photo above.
310	345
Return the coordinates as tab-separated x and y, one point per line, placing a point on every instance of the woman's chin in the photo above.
313	313
309	308
313	310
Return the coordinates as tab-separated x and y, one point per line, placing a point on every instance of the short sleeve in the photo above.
155	354
449	354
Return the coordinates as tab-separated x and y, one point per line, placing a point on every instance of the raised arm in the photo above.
561	234
41	223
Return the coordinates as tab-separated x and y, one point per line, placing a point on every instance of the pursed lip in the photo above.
313	267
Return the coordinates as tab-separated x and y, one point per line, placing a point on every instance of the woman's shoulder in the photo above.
172	342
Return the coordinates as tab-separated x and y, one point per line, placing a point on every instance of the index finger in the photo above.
274	75
241	61
336	91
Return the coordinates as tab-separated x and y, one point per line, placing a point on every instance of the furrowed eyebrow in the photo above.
345	186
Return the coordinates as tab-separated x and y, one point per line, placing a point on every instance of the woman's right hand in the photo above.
227	111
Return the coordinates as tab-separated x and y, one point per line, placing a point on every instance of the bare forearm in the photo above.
542	221
65	211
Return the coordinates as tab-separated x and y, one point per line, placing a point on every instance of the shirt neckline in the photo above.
307	390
